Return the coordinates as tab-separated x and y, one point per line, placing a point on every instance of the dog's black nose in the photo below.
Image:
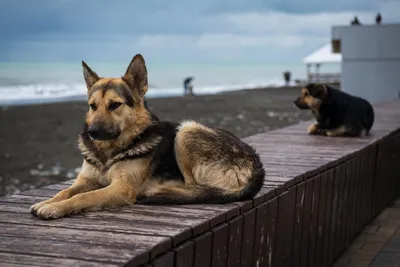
94	131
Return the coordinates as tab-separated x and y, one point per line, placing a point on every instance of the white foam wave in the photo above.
47	93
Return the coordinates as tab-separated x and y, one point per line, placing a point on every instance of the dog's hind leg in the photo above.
344	130
339	131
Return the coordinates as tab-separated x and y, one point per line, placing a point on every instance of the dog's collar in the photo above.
141	146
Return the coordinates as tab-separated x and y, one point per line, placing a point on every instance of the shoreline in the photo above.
152	94
38	143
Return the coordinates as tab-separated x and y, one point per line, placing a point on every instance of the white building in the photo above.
323	55
370	65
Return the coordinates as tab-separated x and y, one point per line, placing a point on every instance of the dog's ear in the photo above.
90	76
136	76
319	90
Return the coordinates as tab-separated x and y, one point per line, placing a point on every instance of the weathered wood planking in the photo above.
318	194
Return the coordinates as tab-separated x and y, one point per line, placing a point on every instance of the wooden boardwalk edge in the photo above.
318	195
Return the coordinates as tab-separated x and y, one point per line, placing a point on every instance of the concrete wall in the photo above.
370	60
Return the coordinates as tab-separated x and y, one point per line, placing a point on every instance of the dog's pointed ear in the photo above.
90	76
320	90
136	75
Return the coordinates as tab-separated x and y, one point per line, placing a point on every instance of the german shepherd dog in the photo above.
337	113
129	156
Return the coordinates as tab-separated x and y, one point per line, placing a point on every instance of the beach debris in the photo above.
70	175
240	116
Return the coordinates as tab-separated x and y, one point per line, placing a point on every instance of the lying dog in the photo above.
337	113
130	156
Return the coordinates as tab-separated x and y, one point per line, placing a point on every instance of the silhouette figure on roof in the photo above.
355	21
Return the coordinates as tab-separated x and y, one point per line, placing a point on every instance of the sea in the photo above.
35	83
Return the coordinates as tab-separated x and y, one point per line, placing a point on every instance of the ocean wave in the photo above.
48	93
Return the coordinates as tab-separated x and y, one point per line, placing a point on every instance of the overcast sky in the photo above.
176	30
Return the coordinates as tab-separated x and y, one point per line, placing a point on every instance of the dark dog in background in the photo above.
337	113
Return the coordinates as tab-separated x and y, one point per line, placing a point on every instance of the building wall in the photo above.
370	60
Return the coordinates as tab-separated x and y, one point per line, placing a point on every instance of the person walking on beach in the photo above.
287	76
378	18
188	86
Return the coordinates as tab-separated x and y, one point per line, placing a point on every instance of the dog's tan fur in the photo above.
115	172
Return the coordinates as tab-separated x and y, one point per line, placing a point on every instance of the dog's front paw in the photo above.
313	129
51	211
35	207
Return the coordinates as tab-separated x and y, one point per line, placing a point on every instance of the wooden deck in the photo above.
318	195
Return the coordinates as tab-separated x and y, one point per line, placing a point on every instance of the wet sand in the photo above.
38	143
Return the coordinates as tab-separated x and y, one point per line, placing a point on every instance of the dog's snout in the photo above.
102	132
94	131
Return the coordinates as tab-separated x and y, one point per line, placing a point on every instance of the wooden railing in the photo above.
318	194
333	78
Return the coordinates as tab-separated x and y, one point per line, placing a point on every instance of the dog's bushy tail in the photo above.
369	119
201	194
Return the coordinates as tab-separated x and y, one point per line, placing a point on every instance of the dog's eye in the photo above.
114	105
306	94
93	106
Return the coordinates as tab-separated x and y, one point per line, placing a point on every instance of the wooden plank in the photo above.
219	252
184	254
129	224
202	250
334	216
305	240
16	259
80	251
352	176
260	197
235	241
165	260
340	173
285	225
377	180
298	224
271	231
244	206
361	184
21	199
371	183
321	219
314	221
328	217
346	207
155	245
218	213
207	216
358	185
197	220
260	233
247	245
40	192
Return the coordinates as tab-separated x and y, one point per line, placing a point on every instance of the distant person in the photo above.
355	21
188	86
378	18
287	76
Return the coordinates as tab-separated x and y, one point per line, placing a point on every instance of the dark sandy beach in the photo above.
38	143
